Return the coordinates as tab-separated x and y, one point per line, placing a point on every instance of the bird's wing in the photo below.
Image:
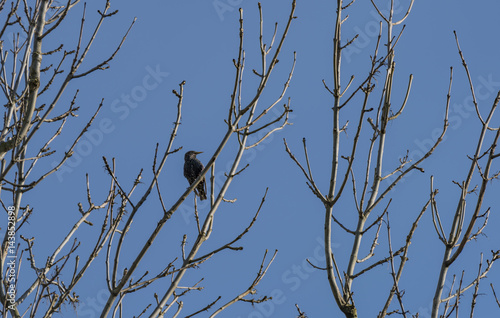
198	168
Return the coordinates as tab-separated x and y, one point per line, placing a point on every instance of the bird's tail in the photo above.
202	192
203	196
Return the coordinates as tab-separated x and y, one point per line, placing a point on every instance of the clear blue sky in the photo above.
196	42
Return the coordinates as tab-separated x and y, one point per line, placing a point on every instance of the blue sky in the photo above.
176	41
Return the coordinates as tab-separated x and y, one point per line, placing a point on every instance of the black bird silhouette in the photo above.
192	169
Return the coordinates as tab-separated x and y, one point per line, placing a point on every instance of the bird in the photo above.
192	170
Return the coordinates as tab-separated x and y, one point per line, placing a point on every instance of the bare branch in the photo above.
251	290
495	295
311	183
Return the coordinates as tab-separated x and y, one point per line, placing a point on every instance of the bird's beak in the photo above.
198	152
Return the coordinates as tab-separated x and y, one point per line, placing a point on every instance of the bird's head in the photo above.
191	155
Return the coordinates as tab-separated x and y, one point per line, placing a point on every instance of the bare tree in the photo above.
28	106
51	278
455	242
40	282
365	176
